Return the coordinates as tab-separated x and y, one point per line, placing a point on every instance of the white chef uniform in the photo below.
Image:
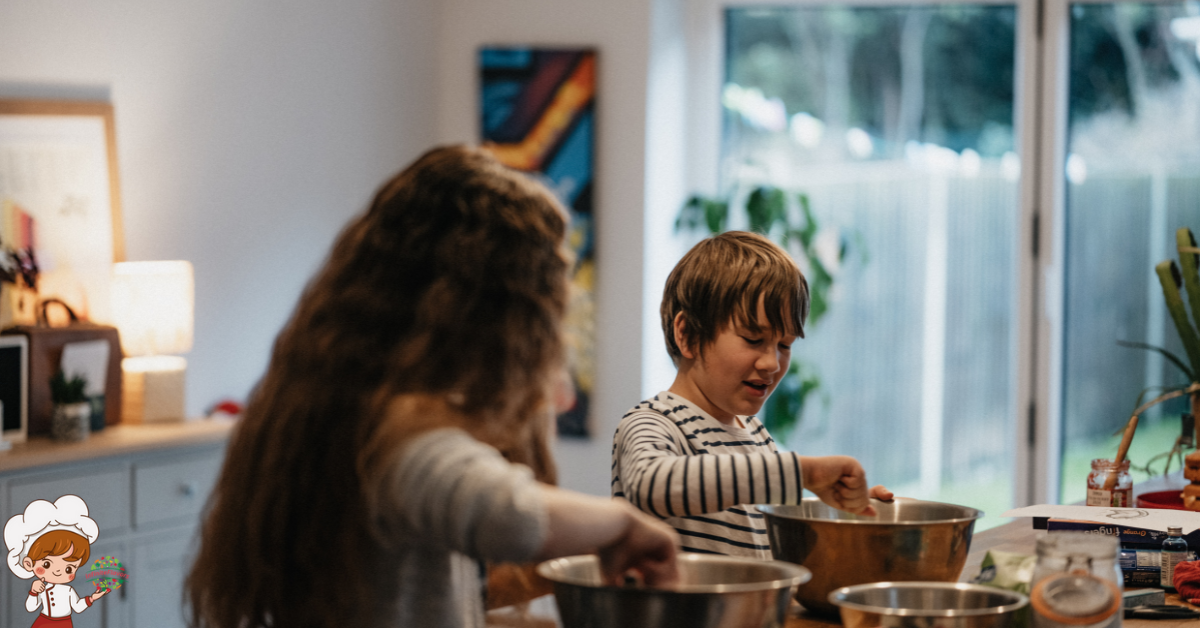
57	601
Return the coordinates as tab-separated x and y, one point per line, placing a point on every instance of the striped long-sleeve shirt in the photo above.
676	462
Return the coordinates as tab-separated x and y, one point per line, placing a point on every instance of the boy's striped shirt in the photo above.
676	462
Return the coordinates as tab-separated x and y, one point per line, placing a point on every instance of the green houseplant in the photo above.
787	218
1176	280
72	408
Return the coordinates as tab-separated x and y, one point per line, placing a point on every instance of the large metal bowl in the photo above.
908	540
924	604
714	592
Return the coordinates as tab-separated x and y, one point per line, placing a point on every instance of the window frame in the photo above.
1042	67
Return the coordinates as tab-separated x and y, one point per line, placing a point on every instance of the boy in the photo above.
695	455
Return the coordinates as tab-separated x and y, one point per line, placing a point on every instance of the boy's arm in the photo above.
661	477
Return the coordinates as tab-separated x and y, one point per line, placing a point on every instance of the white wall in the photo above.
620	31
247	134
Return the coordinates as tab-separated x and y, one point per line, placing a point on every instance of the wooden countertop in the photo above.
1016	536
1019	536
114	441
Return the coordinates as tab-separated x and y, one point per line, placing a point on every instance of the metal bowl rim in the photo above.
802	574
1021	599
769	510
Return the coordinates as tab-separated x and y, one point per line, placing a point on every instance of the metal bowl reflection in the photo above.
714	592
908	540
923	604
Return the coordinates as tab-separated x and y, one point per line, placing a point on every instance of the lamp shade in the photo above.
152	306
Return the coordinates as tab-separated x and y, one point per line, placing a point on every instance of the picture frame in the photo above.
60	196
14	388
537	108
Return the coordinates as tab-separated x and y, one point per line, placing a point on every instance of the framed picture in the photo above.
59	197
14	387
538	111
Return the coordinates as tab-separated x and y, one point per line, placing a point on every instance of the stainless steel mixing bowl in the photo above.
714	592
924	604
908	540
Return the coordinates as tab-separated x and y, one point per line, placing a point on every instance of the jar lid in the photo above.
1075	599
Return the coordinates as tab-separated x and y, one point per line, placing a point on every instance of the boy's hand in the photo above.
38	586
840	482
882	494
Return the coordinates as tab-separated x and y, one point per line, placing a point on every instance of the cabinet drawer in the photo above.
173	491
105	489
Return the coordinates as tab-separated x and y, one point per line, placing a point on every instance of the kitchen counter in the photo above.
115	440
1016	536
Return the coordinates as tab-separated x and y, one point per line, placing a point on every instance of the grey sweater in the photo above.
458	501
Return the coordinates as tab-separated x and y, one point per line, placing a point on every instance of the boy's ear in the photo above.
679	329
27	563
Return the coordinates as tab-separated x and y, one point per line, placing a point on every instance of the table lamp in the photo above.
152	306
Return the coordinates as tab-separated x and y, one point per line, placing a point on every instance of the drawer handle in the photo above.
187	489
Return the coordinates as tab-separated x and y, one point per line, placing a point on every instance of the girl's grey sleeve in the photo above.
662	477
453	491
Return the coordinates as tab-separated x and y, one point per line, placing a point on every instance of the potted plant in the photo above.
1177	280
72	408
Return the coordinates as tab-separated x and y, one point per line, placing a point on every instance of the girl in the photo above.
365	485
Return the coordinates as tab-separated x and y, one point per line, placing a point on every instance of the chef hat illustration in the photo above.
68	512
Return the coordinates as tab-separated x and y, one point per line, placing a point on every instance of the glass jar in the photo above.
1121	495
1077	581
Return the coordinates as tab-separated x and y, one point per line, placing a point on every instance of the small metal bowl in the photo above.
924	604
909	540
714	592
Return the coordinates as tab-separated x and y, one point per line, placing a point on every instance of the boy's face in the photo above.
54	569
738	371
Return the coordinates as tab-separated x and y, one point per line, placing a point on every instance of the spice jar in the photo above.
1077	581
1121	495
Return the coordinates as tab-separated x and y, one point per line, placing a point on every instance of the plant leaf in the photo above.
1167	354
1168	276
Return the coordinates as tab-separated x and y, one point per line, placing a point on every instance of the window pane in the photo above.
1133	178
897	125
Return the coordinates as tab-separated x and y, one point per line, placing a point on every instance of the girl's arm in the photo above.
624	538
661	478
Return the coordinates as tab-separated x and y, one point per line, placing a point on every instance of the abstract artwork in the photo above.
538	116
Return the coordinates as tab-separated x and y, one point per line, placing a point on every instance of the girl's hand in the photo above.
625	538
647	547
38	586
882	494
840	482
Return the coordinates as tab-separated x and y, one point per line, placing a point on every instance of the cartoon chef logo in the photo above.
49	543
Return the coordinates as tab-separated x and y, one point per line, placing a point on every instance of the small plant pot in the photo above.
72	421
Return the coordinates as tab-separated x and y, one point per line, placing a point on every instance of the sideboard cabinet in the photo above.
145	486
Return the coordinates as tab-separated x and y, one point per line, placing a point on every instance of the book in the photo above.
1127	536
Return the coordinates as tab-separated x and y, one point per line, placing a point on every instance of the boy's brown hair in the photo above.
721	280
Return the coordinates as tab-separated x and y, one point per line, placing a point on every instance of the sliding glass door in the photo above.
1131	177
989	186
899	126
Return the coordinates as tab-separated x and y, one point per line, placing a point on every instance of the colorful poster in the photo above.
538	116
